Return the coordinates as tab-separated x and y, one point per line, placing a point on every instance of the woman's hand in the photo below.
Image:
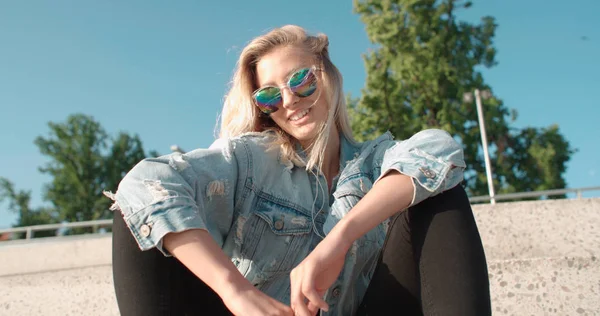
316	273
252	302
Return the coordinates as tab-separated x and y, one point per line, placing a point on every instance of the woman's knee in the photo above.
453	199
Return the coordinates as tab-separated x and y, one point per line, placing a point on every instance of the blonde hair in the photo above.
240	115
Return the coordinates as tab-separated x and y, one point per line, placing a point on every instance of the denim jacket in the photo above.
268	214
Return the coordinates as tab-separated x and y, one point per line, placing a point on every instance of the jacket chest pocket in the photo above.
276	237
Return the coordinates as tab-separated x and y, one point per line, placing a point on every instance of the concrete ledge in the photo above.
54	253
535	229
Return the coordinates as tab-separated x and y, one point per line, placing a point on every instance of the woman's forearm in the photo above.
390	195
198	251
200	254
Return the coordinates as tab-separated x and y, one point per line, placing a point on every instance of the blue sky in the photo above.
160	69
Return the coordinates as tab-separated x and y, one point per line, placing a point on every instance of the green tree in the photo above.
534	156
18	203
423	64
83	162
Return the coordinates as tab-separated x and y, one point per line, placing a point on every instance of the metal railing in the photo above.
513	196
30	230
96	224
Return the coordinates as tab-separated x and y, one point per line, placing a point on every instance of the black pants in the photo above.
432	263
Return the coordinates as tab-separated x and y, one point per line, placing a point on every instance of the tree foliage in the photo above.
83	162
424	63
19	203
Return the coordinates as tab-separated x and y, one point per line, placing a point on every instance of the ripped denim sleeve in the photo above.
179	192
432	158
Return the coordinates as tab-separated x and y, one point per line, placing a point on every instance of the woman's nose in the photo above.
289	98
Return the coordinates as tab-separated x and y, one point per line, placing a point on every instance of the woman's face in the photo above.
300	117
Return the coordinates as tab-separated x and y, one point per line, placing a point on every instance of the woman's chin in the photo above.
305	134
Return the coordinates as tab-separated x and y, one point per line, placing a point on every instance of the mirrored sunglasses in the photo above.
302	83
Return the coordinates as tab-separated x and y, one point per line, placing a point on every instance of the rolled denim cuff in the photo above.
150	224
430	175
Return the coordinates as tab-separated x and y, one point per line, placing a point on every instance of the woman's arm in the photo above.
411	171
425	165
166	204
391	194
197	250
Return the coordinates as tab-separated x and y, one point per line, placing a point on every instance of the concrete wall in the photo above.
542	260
543	256
57	276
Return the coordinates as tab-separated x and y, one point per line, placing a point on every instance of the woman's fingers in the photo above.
305	299
310	292
287	311
314	309
297	298
301	310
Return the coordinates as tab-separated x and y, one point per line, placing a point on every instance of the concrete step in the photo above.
545	286
55	253
540	229
542	260
542	256
80	291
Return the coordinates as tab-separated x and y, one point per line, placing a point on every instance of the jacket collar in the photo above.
349	150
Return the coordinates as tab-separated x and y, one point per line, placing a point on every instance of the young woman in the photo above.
287	215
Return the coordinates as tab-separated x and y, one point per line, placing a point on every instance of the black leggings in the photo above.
432	263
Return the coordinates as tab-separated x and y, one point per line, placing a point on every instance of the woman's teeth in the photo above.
299	115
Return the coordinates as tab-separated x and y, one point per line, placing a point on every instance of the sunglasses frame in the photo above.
312	69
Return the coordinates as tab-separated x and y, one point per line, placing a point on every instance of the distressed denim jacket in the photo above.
268	214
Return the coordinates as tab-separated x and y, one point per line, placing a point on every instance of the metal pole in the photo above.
29	233
488	167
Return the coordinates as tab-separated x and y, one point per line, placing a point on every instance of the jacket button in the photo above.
145	230
279	225
336	292
427	172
